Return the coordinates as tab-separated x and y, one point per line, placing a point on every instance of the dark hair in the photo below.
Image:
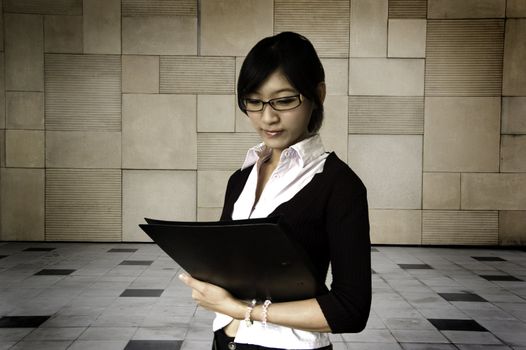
295	56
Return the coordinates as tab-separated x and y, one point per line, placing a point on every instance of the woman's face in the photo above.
280	129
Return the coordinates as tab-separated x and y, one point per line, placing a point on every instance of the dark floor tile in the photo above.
54	272
415	266
122	250
461	297
142	293
22	321
456	325
154	345
488	258
137	262
501	278
38	249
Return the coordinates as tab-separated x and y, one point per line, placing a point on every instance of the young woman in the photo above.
281	89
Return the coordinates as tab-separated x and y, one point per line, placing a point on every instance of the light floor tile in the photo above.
98	344
41	345
86	312
466	337
52	334
419	336
108	333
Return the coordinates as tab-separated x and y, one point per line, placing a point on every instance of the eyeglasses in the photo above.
279	104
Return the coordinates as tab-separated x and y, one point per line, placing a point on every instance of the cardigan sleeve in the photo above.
346	306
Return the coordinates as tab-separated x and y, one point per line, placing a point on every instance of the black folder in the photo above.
252	259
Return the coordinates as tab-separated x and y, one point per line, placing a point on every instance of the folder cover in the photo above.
252	259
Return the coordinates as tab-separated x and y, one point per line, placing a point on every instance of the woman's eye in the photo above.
285	101
250	101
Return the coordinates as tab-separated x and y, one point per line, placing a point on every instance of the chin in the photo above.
276	144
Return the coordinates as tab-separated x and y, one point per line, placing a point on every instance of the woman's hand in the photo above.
214	298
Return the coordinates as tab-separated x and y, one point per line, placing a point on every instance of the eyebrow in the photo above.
279	91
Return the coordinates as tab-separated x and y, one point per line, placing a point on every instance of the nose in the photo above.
269	115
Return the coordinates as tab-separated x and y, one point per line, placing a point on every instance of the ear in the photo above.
322	91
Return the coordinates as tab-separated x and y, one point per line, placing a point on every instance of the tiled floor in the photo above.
126	296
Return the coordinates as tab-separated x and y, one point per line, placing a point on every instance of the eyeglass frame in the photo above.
269	102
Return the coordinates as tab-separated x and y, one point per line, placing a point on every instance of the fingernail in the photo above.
182	276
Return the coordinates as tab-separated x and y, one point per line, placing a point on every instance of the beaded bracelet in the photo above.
265	306
250	307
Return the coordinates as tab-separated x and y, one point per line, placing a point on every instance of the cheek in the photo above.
306	116
253	121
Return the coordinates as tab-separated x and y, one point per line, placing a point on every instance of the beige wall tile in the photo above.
160	35
132	8
514	71
158	194
407	38
515	8
45	7
460	227
512	227
24	45
336	75
513	112
407	8
216	113
2	91
22	204
232	27
159	132
209	214
325	23
102	26
493	191
25	110
24	149
197	75
396	226
396	115
2	148
389	77
513	153
63	34
92	105
368	28
334	128
140	74
466	8
441	191
462	134
84	205
224	151
211	187
1	26
464	57
83	149
371	156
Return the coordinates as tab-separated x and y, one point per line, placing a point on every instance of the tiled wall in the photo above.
115	110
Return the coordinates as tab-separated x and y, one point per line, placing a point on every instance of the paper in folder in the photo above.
250	258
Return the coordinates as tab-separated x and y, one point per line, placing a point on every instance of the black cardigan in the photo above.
329	218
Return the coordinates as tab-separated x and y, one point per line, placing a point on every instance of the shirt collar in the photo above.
304	151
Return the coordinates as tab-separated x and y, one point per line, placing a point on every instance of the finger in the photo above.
192	282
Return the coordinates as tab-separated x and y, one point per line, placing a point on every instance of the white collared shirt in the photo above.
296	168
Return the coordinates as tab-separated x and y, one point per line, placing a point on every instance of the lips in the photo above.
273	133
